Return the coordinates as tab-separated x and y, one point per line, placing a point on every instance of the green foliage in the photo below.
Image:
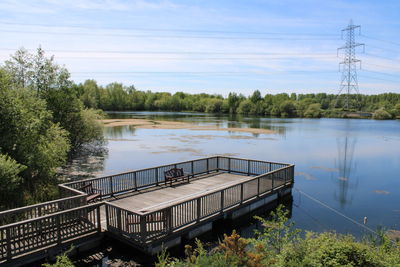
61	261
381	114
52	83
246	107
396	110
36	72
278	230
116	96
280	245
31	138
10	178
313	111
330	249
287	109
42	120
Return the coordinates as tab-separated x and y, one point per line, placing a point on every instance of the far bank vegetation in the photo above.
117	97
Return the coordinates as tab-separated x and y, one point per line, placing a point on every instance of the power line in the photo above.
165	36
381	48
199	72
382	73
169	30
387	58
382	66
176	52
194	73
193	59
381	79
381	40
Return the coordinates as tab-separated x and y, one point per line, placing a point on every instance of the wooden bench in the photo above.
176	174
93	194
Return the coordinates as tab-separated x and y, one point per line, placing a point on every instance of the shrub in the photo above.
313	111
10	178
381	114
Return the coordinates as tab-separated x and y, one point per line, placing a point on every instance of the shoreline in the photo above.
156	124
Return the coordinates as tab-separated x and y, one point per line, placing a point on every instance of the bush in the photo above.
61	261
30	138
10	178
280	245
381	114
313	111
287	109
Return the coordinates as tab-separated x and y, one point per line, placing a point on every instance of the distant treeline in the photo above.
116	96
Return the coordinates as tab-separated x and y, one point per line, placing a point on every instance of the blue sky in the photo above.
209	46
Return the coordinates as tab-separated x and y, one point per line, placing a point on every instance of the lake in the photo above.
346	169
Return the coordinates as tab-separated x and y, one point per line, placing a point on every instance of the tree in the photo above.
233	102
381	114
52	83
256	97
245	107
29	136
10	179
313	111
287	109
89	95
36	71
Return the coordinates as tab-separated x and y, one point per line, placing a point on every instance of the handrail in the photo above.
51	215
5	212
21	238
116	183
144	226
144	178
145	169
213	191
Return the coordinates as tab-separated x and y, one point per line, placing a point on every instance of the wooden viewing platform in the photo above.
142	209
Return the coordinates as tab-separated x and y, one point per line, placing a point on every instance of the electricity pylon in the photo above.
349	82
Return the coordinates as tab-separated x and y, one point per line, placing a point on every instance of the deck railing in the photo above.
139	179
144	227
27	229
26	236
71	198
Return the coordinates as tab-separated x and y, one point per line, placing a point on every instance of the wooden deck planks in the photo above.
167	196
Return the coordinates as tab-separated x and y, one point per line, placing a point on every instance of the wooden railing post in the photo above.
229	165
58	229
217	164
8	235
106	206
208	169
222	200
169	219
292	174
241	193
272	181
119	223
111	186
98	218
156	170
248	168
258	187
198	209
192	165
135	181
143	230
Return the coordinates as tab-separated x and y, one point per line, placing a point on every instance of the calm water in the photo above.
352	166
